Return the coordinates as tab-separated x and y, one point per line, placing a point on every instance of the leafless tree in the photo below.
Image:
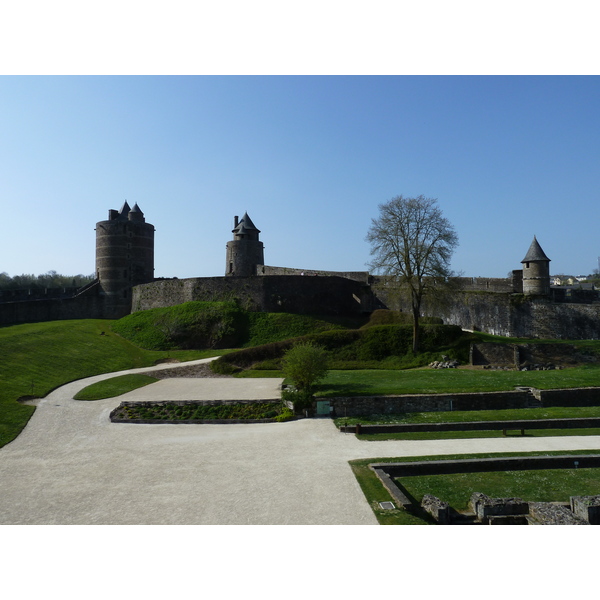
412	242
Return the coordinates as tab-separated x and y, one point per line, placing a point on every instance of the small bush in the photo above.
301	399
305	364
285	415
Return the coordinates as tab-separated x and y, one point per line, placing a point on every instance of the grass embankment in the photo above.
218	325
551	485
39	357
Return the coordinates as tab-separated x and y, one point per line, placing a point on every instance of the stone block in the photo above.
586	508
438	509
546	513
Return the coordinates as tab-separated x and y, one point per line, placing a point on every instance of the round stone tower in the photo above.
536	271
245	252
124	253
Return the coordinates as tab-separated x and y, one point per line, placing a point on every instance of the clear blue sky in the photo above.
308	157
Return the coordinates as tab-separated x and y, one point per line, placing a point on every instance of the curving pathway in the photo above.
71	465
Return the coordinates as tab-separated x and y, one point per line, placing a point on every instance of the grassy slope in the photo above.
265	328
39	357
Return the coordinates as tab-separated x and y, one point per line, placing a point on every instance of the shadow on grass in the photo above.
415	510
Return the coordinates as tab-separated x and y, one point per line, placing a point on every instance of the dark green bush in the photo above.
301	399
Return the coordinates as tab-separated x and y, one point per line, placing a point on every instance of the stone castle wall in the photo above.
33	311
285	293
362	276
505	314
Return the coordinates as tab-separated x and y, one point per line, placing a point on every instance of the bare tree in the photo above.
413	242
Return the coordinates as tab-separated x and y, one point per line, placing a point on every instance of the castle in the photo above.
522	305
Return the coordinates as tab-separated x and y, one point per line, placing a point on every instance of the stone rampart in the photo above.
502	313
362	276
285	293
82	307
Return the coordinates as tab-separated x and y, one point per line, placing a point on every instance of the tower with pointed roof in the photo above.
536	271
245	252
124	253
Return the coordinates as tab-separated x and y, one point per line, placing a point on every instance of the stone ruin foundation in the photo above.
483	510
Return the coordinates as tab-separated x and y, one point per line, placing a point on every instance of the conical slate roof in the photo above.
136	209
245	224
535	252
124	209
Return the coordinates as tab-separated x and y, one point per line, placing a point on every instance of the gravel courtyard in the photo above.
71	465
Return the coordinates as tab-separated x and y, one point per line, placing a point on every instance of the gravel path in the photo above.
71	465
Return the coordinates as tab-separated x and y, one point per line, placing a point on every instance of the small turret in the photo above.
135	214
536	271
245	252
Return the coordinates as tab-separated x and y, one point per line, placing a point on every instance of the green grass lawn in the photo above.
551	412
544	485
426	381
464	435
535	486
115	386
36	358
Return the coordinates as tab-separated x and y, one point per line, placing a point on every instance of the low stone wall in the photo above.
585	423
362	406
485	507
586	508
440	511
477	465
115	419
570	397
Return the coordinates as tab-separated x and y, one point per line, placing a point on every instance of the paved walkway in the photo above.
71	465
